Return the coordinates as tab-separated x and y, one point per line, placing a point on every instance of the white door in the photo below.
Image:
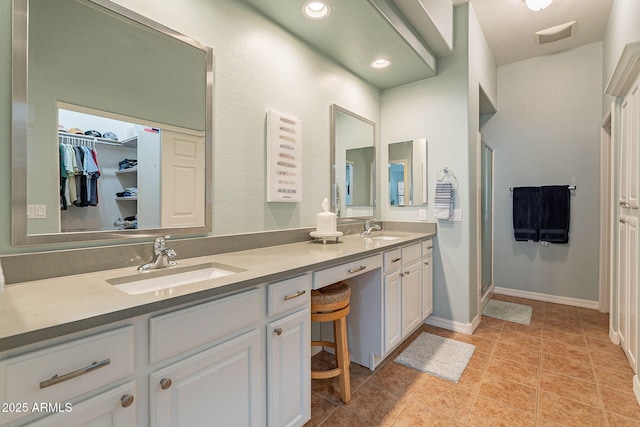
220	386
182	179
289	370
632	278
623	282
411	301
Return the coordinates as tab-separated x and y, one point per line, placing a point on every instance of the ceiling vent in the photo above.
556	33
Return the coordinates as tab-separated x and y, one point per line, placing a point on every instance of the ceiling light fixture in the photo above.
316	10
538	4
380	63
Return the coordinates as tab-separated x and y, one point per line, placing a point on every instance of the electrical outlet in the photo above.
422	214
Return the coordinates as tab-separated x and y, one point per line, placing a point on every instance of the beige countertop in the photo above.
34	311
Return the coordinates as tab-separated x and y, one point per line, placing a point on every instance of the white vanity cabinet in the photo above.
53	379
220	385
288	333
402	293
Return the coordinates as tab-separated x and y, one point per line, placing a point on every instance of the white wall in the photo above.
436	109
257	67
546	132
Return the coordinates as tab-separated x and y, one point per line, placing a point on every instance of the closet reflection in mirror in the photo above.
353	155
408	173
112	169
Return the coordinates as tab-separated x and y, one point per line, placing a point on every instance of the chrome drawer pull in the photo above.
126	400
56	379
296	295
362	267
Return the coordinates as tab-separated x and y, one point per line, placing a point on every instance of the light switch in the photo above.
30	211
40	211
422	214
457	215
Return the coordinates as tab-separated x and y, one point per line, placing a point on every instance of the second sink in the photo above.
172	277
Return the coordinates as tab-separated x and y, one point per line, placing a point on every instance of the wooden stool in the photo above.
331	304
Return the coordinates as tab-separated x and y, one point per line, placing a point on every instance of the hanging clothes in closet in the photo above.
79	172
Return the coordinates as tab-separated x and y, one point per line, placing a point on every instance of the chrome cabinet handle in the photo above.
165	383
126	400
396	260
296	295
56	379
362	267
277	331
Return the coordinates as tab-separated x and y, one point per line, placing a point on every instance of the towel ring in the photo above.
446	173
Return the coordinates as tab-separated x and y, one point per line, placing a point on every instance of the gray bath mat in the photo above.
442	357
509	311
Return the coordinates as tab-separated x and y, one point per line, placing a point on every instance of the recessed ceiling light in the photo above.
316	10
538	4
380	63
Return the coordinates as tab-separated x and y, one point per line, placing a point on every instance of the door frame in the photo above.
607	213
483	299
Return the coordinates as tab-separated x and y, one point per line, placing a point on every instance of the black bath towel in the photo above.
555	204
526	206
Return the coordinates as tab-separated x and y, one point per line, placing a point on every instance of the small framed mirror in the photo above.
408	173
353	160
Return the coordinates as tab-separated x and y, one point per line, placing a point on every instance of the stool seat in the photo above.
331	304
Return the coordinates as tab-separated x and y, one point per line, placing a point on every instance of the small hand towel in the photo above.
443	201
555	204
526	201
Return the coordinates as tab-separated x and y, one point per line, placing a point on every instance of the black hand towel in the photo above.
555	203
526	201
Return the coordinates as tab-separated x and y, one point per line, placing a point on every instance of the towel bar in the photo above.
571	187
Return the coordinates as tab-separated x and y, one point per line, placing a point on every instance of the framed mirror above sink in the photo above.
408	173
353	160
119	90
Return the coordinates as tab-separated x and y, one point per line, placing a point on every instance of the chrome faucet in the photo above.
162	255
369	226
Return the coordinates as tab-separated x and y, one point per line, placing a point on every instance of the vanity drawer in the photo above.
411	253
288	294
427	247
392	259
335	274
181	330
65	371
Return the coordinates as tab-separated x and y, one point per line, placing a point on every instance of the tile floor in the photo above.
562	370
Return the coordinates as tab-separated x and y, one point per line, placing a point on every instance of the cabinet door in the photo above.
289	370
220	386
411	313
113	408
427	287
392	316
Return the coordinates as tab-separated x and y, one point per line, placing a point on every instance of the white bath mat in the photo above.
509	311
439	356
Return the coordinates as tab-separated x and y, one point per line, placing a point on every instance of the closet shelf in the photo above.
126	171
127	198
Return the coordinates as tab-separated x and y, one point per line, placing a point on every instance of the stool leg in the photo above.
342	357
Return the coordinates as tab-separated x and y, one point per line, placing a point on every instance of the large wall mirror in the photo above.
408	173
353	152
111	125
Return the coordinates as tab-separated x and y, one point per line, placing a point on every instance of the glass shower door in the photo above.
487	216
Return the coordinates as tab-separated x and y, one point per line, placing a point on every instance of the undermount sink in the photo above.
171	277
385	237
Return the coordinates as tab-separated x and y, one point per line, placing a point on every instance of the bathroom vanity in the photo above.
232	350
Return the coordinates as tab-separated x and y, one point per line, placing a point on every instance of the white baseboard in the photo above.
465	328
487	296
547	298
614	337
636	387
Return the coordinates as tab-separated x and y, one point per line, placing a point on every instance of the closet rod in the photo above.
571	187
